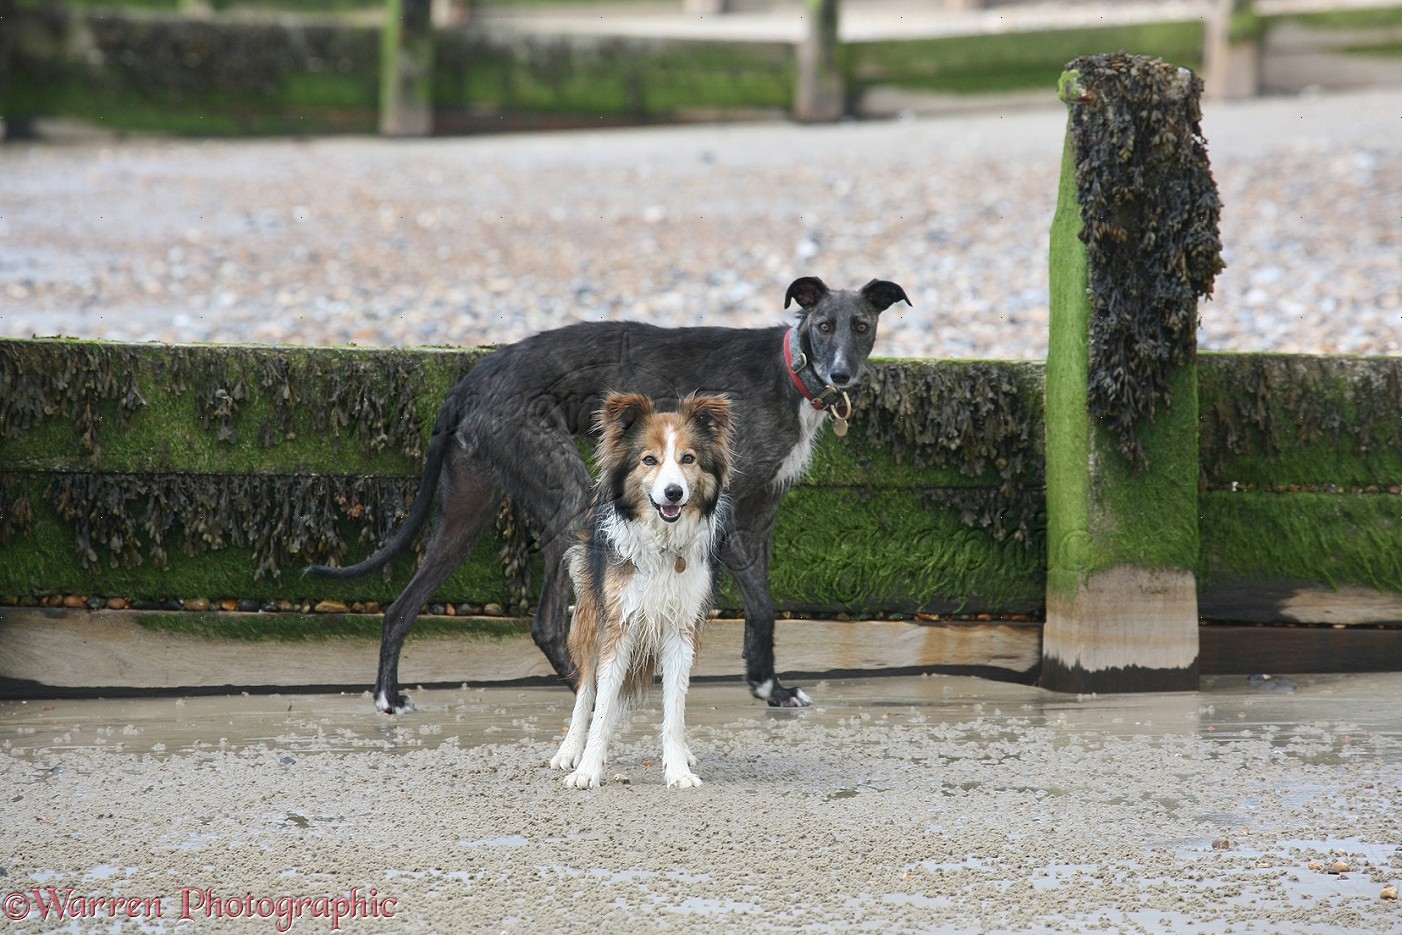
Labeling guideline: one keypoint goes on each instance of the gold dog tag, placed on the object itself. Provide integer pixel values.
(839, 417)
(681, 564)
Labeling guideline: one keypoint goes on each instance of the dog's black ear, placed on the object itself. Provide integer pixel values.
(882, 294)
(619, 411)
(807, 291)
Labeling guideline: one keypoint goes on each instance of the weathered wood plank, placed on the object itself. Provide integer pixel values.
(47, 651)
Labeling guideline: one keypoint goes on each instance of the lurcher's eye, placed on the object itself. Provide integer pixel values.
(688, 458)
(650, 461)
(825, 327)
(861, 327)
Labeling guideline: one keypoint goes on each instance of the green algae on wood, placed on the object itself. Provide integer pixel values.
(1134, 243)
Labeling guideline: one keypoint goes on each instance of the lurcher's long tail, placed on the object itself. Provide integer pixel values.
(403, 537)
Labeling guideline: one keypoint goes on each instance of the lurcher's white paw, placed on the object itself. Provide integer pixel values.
(565, 759)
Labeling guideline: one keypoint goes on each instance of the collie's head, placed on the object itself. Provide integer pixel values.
(663, 466)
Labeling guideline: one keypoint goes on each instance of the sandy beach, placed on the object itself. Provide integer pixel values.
(913, 804)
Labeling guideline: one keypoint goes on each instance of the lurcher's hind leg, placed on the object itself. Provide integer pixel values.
(551, 625)
(551, 482)
(468, 504)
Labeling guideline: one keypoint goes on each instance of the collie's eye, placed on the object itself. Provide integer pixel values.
(650, 461)
(688, 458)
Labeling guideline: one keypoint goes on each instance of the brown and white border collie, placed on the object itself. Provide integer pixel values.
(643, 574)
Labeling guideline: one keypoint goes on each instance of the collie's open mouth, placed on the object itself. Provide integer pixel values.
(670, 512)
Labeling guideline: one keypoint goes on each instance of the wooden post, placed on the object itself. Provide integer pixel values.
(447, 14)
(819, 96)
(1122, 524)
(406, 69)
(1231, 55)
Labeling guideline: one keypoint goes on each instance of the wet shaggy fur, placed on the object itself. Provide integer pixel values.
(643, 575)
(510, 428)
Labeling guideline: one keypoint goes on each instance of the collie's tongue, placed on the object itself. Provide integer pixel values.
(670, 511)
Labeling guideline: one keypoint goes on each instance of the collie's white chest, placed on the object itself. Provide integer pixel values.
(796, 462)
(659, 597)
(670, 586)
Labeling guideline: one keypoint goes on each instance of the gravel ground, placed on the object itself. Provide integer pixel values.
(480, 240)
(931, 805)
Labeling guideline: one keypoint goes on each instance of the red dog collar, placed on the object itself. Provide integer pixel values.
(798, 364)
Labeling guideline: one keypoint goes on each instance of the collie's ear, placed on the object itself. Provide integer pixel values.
(710, 413)
(619, 411)
(807, 291)
(881, 294)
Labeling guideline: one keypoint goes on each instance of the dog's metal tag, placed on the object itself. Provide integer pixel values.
(681, 564)
(839, 417)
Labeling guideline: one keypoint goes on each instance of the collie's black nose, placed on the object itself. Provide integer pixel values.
(673, 493)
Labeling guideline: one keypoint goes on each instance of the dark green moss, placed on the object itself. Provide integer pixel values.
(1332, 539)
(188, 75)
(301, 628)
(77, 382)
(1010, 61)
(884, 551)
(637, 79)
(153, 538)
(1277, 419)
(1385, 17)
(217, 409)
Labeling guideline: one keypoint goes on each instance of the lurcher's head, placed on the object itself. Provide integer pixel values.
(837, 328)
(663, 466)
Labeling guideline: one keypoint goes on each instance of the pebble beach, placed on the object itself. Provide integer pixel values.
(482, 240)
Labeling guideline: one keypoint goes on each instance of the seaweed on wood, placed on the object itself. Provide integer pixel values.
(1150, 211)
(973, 417)
(1273, 404)
(371, 397)
(43, 380)
(127, 519)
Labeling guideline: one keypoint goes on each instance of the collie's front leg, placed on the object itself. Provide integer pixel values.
(678, 653)
(572, 747)
(609, 683)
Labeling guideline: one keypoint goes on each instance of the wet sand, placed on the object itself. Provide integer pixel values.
(912, 804)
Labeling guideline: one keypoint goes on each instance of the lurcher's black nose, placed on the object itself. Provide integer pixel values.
(840, 377)
(673, 493)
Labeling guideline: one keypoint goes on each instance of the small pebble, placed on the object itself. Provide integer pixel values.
(1389, 892)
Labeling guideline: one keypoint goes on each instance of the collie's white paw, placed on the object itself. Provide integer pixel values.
(683, 780)
(583, 779)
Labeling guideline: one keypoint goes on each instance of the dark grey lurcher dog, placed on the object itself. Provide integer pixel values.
(508, 429)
